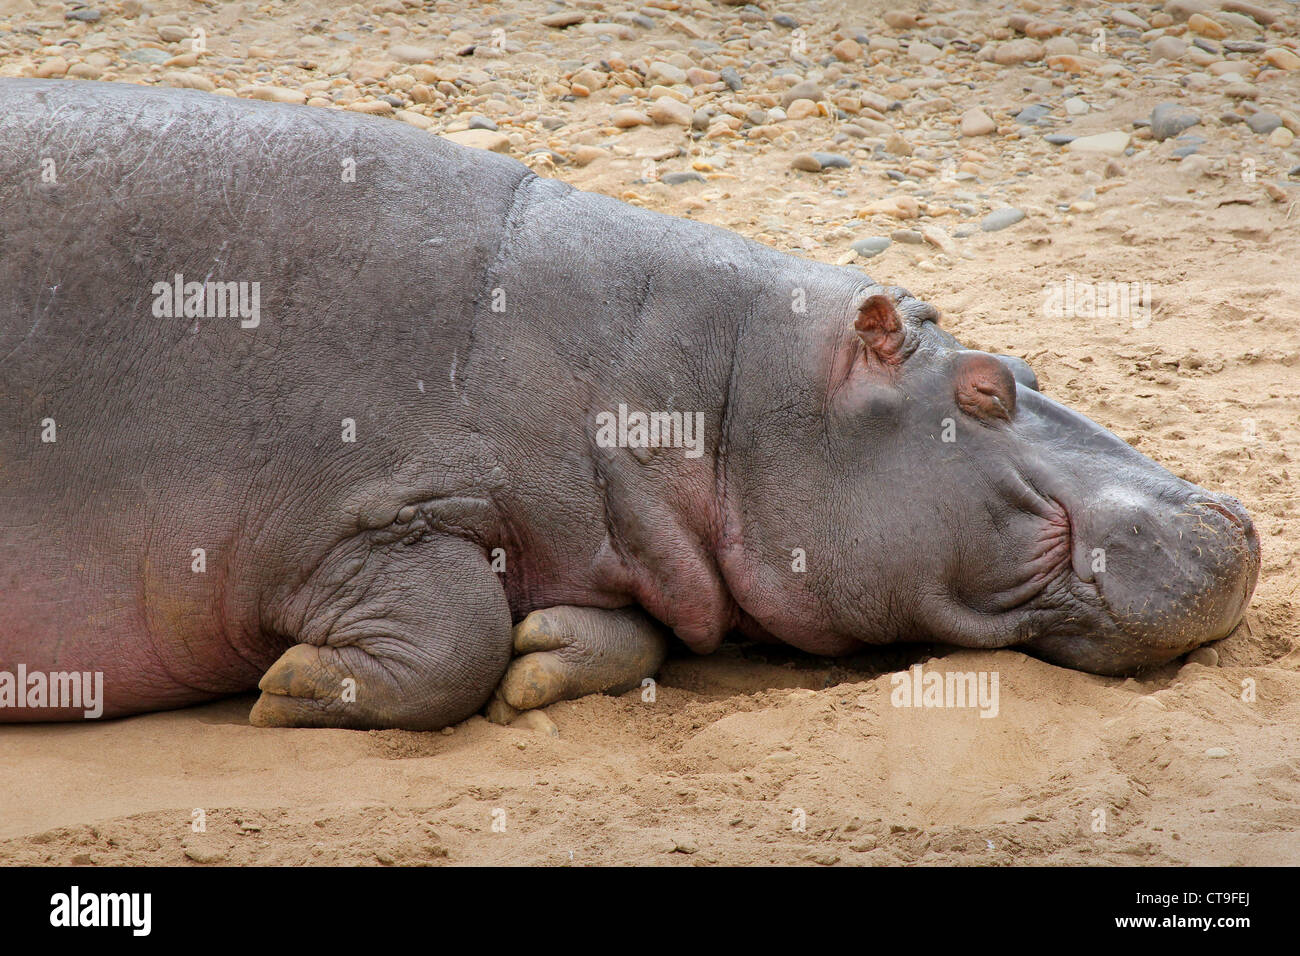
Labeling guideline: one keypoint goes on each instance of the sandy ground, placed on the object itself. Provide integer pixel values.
(1197, 763)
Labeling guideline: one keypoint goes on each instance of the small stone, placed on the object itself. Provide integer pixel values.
(626, 119)
(204, 854)
(871, 246)
(482, 122)
(54, 67)
(1076, 106)
(1170, 119)
(677, 178)
(408, 53)
(666, 73)
(85, 15)
(732, 79)
(832, 160)
(1168, 48)
(1060, 46)
(1263, 122)
(923, 52)
(909, 236)
(272, 94)
(785, 20)
(1001, 218)
(807, 90)
(848, 51)
(1216, 752)
(975, 122)
(684, 844)
(900, 20)
(480, 139)
(1015, 52)
(1199, 23)
(1283, 59)
(1059, 139)
(1281, 137)
(565, 18)
(806, 162)
(801, 109)
(669, 111)
(1205, 656)
(170, 33)
(586, 155)
(1030, 115)
(1108, 144)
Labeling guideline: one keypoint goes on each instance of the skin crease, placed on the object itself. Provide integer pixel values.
(825, 401)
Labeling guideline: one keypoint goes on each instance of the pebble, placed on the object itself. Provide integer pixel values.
(676, 179)
(910, 236)
(1076, 106)
(975, 122)
(1059, 139)
(626, 119)
(832, 160)
(1283, 59)
(565, 18)
(1015, 52)
(1107, 144)
(670, 111)
(482, 122)
(1205, 656)
(1001, 218)
(86, 15)
(871, 246)
(1168, 48)
(1263, 122)
(732, 79)
(806, 162)
(1199, 23)
(1170, 119)
(1281, 137)
(923, 52)
(1216, 752)
(1030, 115)
(807, 90)
(481, 139)
(273, 94)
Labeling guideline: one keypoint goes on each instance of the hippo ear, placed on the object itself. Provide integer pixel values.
(881, 329)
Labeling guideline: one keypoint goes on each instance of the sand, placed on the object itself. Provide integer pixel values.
(758, 755)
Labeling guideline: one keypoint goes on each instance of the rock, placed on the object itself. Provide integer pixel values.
(1168, 48)
(848, 51)
(1060, 46)
(272, 94)
(1015, 52)
(910, 236)
(586, 155)
(170, 33)
(1283, 59)
(1030, 115)
(1076, 106)
(1059, 139)
(626, 119)
(1216, 752)
(1125, 18)
(666, 73)
(899, 207)
(1199, 23)
(1205, 656)
(900, 20)
(676, 179)
(418, 120)
(1281, 137)
(801, 109)
(482, 122)
(408, 53)
(1108, 144)
(871, 246)
(481, 139)
(565, 18)
(923, 52)
(668, 111)
(85, 15)
(1001, 218)
(188, 81)
(806, 162)
(205, 854)
(537, 721)
(499, 712)
(1072, 64)
(975, 122)
(52, 68)
(1170, 119)
(1263, 122)
(832, 160)
(732, 79)
(807, 90)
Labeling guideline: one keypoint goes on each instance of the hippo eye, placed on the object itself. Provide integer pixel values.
(984, 387)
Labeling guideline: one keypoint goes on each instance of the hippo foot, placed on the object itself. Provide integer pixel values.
(568, 652)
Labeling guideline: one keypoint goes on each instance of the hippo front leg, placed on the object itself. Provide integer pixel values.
(568, 652)
(413, 637)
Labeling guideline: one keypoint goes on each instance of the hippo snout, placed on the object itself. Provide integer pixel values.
(1172, 570)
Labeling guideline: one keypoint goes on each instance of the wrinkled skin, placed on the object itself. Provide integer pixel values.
(824, 431)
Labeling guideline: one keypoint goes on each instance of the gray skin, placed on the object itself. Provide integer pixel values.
(826, 400)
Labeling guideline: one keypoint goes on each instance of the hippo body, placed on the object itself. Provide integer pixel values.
(411, 449)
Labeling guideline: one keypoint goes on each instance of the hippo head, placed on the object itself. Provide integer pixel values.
(941, 497)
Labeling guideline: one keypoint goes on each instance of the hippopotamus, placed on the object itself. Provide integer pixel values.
(396, 430)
